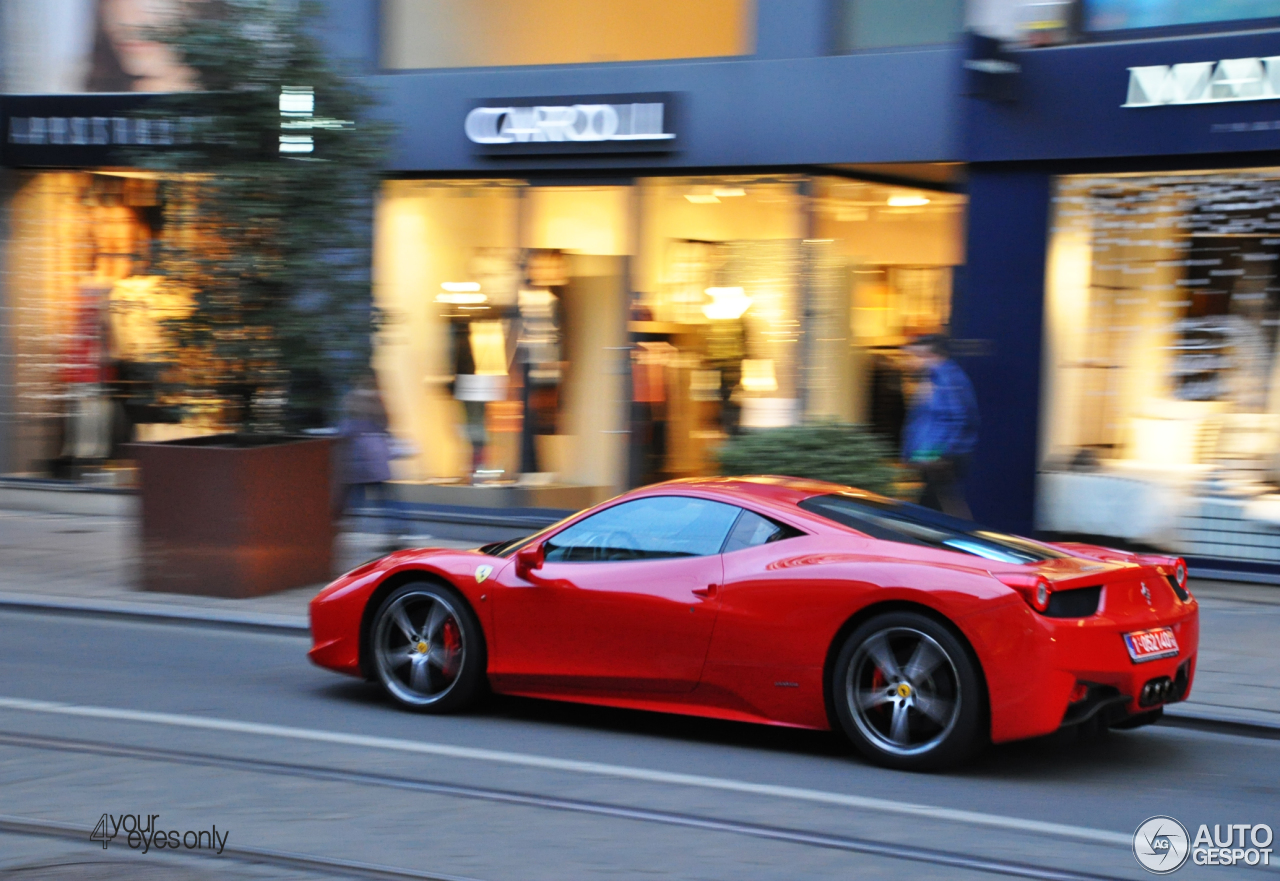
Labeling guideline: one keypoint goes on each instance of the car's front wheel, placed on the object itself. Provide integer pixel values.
(428, 650)
(907, 693)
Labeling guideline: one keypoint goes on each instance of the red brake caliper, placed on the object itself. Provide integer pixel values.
(878, 683)
(452, 644)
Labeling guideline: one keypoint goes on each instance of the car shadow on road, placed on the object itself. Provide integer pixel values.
(587, 717)
(1066, 754)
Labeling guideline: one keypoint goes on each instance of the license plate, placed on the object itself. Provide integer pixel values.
(1148, 645)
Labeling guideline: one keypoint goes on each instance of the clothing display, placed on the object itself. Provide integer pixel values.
(1164, 313)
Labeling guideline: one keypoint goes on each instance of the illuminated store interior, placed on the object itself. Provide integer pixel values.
(1161, 419)
(86, 319)
(580, 336)
(602, 335)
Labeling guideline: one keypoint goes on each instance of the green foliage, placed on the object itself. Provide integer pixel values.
(272, 250)
(847, 454)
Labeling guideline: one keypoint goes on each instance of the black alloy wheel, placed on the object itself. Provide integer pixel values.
(908, 694)
(428, 649)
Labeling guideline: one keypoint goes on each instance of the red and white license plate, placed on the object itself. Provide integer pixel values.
(1148, 645)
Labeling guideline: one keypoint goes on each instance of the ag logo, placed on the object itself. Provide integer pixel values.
(483, 572)
(1160, 845)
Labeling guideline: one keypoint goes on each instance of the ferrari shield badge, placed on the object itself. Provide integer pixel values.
(483, 572)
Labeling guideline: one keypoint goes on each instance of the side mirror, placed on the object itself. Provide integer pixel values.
(529, 559)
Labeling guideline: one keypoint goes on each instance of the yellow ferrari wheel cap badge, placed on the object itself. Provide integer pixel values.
(904, 690)
(483, 572)
(422, 647)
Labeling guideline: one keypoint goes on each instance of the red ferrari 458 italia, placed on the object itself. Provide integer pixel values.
(781, 601)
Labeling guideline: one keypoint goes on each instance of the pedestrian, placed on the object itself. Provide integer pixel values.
(942, 425)
(367, 455)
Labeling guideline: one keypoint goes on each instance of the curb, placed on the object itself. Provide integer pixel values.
(293, 625)
(1250, 723)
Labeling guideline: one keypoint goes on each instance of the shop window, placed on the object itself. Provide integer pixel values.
(1162, 414)
(86, 321)
(603, 335)
(885, 276)
(498, 353)
(723, 342)
(1111, 15)
(882, 24)
(492, 33)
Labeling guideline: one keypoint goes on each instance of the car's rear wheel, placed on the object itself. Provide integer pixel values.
(428, 650)
(907, 693)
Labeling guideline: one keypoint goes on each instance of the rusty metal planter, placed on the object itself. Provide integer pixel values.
(235, 516)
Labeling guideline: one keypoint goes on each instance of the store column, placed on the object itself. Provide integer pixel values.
(998, 319)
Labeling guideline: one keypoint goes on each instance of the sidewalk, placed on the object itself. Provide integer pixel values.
(75, 561)
(79, 561)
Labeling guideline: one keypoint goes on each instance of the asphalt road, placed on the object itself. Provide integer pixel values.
(230, 728)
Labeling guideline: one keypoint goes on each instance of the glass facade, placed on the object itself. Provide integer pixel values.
(1161, 421)
(84, 323)
(564, 336)
(883, 24)
(1110, 15)
(421, 34)
(605, 335)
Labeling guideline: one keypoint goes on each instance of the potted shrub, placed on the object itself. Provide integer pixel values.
(267, 218)
(847, 454)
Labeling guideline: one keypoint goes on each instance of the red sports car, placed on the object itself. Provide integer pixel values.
(782, 601)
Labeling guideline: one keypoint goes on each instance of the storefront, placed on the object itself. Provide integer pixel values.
(594, 273)
(610, 237)
(1128, 240)
(84, 320)
(598, 335)
(82, 340)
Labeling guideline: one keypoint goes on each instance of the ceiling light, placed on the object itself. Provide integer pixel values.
(907, 201)
(727, 303)
(698, 199)
(729, 192)
(460, 286)
(463, 298)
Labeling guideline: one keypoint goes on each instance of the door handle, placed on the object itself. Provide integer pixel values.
(707, 592)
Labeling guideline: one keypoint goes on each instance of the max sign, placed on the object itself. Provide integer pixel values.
(1205, 82)
(572, 125)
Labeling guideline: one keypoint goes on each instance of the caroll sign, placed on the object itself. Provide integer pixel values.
(1205, 82)
(573, 124)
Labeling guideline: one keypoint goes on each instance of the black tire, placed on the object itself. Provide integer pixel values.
(908, 694)
(426, 648)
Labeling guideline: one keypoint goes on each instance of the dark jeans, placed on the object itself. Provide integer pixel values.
(943, 485)
(382, 498)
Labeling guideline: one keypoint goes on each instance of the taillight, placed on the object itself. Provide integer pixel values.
(1034, 589)
(1041, 599)
(1178, 579)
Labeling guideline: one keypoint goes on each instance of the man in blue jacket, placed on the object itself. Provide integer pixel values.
(942, 426)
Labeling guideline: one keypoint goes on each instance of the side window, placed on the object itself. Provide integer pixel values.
(645, 529)
(752, 529)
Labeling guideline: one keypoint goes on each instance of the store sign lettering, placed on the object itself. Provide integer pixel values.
(99, 131)
(578, 122)
(1205, 82)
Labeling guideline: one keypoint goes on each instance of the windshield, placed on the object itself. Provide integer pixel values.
(891, 520)
(511, 545)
